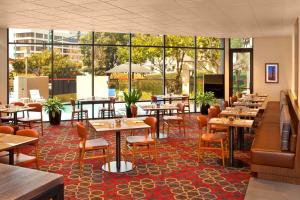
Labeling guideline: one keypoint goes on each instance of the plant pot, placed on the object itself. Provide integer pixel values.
(128, 112)
(56, 119)
(204, 109)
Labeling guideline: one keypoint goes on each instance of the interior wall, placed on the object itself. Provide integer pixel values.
(3, 66)
(272, 50)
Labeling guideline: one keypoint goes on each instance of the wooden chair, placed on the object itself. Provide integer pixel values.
(226, 104)
(76, 113)
(134, 110)
(232, 100)
(214, 112)
(21, 159)
(110, 109)
(7, 129)
(29, 121)
(142, 143)
(17, 103)
(86, 145)
(175, 120)
(153, 101)
(186, 102)
(5, 118)
(206, 137)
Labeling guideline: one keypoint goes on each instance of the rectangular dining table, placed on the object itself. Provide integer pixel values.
(127, 124)
(236, 123)
(171, 97)
(9, 142)
(14, 110)
(23, 183)
(235, 111)
(157, 108)
(92, 100)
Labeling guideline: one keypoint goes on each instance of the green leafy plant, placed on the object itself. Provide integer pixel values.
(132, 97)
(205, 98)
(53, 106)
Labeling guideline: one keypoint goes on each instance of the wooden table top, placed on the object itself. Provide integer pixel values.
(160, 107)
(15, 109)
(111, 125)
(168, 96)
(246, 123)
(23, 183)
(236, 112)
(93, 99)
(254, 99)
(8, 141)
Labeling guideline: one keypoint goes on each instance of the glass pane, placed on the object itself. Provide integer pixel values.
(147, 40)
(71, 72)
(147, 68)
(241, 43)
(29, 36)
(210, 42)
(72, 37)
(111, 71)
(29, 68)
(179, 41)
(179, 64)
(209, 62)
(241, 72)
(111, 38)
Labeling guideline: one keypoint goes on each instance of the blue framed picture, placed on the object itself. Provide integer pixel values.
(272, 73)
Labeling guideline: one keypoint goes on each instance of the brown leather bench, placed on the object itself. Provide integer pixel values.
(268, 160)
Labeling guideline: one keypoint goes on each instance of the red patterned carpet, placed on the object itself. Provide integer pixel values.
(177, 175)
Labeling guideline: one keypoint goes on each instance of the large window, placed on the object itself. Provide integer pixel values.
(73, 63)
(241, 66)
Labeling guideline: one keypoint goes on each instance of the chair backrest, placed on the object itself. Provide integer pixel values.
(6, 130)
(180, 108)
(134, 110)
(232, 100)
(202, 121)
(217, 107)
(38, 107)
(185, 99)
(226, 104)
(73, 104)
(82, 132)
(213, 112)
(35, 94)
(153, 99)
(29, 133)
(151, 121)
(17, 103)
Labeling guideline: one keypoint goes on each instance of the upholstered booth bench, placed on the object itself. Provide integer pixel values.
(275, 152)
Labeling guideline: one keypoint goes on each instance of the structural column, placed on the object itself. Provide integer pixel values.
(3, 66)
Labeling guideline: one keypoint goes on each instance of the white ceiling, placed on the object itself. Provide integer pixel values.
(220, 18)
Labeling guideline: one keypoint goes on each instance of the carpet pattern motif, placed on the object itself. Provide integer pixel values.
(176, 175)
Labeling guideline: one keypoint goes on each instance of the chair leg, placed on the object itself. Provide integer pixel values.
(133, 155)
(72, 118)
(108, 159)
(155, 152)
(42, 127)
(37, 158)
(222, 153)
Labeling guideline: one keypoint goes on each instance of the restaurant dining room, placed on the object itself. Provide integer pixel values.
(158, 100)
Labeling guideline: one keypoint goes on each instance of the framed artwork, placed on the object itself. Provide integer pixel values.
(272, 73)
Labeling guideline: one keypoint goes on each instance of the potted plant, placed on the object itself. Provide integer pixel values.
(131, 98)
(53, 107)
(205, 99)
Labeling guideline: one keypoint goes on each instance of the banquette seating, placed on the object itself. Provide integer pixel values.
(275, 151)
